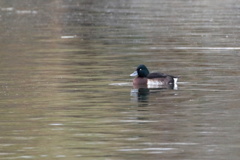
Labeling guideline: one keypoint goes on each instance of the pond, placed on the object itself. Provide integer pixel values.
(66, 92)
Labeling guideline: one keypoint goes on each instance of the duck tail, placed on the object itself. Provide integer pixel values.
(175, 79)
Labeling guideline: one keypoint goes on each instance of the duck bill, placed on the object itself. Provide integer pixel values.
(134, 74)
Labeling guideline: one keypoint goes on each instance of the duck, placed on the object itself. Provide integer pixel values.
(144, 77)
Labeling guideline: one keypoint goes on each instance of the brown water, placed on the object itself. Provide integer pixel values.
(66, 91)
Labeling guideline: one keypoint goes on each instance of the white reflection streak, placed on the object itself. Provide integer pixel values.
(148, 149)
(174, 143)
(68, 37)
(198, 48)
(210, 48)
(137, 121)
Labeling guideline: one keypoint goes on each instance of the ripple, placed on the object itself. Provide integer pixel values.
(121, 84)
(198, 48)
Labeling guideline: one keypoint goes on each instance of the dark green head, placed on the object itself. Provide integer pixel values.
(141, 71)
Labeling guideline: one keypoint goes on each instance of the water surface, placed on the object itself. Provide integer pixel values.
(66, 91)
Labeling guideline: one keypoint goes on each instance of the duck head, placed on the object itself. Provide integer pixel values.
(141, 71)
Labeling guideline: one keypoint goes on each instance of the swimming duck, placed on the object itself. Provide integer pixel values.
(155, 78)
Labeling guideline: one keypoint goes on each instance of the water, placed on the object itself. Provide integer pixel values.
(66, 91)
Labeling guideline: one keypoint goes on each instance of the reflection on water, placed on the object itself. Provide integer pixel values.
(140, 93)
(65, 86)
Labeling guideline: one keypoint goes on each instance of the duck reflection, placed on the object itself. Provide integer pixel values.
(141, 93)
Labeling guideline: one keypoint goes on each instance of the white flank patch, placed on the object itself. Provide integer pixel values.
(154, 82)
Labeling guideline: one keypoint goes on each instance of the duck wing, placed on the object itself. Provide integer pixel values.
(157, 75)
